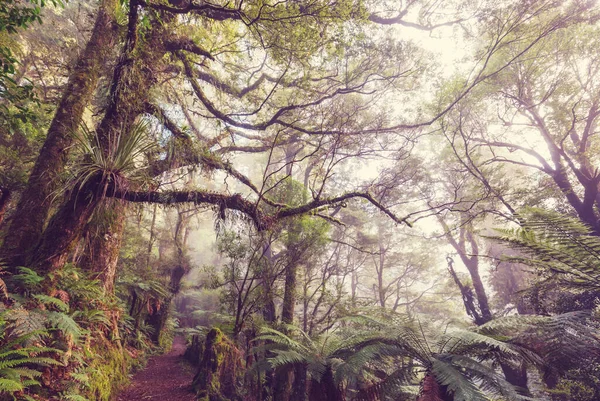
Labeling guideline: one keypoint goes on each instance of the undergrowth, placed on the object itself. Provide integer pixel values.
(71, 343)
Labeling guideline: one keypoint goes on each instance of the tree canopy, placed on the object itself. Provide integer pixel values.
(330, 200)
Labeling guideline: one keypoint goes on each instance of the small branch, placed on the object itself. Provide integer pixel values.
(187, 45)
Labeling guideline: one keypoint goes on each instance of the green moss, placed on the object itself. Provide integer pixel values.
(107, 373)
(218, 361)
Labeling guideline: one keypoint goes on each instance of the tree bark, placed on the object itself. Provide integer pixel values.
(300, 390)
(66, 228)
(289, 293)
(33, 208)
(130, 91)
(104, 244)
(5, 196)
(284, 376)
(517, 376)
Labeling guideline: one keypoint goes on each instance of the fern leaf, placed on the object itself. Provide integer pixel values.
(48, 300)
(10, 386)
(456, 382)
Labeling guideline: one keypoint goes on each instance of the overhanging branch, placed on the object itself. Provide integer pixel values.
(261, 220)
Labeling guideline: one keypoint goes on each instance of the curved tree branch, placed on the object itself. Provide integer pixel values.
(261, 220)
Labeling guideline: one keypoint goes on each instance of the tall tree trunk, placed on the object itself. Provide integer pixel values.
(289, 293)
(104, 237)
(269, 313)
(159, 317)
(5, 196)
(66, 227)
(284, 377)
(482, 314)
(299, 391)
(33, 208)
(130, 91)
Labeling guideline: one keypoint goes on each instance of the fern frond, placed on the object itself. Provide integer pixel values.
(558, 245)
(28, 277)
(3, 289)
(456, 382)
(10, 386)
(65, 324)
(48, 300)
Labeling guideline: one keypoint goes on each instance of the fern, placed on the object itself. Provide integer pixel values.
(560, 247)
(18, 358)
(463, 389)
(25, 323)
(27, 277)
(65, 324)
(454, 361)
(52, 301)
(10, 386)
(3, 289)
(93, 317)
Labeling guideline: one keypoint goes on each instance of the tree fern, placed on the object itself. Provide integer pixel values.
(559, 246)
(456, 382)
(456, 360)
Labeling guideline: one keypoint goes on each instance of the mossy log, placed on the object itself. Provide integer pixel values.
(218, 369)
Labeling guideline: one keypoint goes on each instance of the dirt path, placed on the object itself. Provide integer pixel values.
(166, 378)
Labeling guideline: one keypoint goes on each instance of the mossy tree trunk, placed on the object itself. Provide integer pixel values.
(284, 377)
(66, 227)
(130, 88)
(32, 210)
(5, 196)
(104, 234)
(215, 378)
(132, 82)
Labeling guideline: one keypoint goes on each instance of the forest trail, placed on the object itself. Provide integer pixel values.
(165, 378)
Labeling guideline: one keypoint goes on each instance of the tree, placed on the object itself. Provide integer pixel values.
(538, 115)
(33, 207)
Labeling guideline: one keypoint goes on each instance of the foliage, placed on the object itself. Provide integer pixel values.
(561, 248)
(113, 161)
(297, 348)
(299, 94)
(22, 353)
(75, 326)
(218, 368)
(14, 16)
(21, 367)
(456, 360)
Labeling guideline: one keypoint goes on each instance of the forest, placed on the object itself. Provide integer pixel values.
(300, 200)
